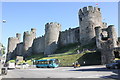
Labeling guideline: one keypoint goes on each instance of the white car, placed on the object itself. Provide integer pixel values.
(22, 66)
(18, 66)
(25, 65)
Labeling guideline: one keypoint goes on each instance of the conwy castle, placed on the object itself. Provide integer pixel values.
(91, 28)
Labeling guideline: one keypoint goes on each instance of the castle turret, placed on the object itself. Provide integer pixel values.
(98, 32)
(89, 18)
(33, 32)
(28, 41)
(112, 34)
(52, 31)
(12, 44)
(104, 25)
(18, 35)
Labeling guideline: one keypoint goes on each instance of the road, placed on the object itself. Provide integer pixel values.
(62, 72)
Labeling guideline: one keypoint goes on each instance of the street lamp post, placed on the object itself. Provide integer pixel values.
(1, 65)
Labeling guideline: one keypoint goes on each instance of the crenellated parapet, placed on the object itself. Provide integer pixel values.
(88, 10)
(52, 25)
(104, 25)
(33, 32)
(18, 35)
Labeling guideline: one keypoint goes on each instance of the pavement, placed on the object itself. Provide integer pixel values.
(98, 71)
(0, 77)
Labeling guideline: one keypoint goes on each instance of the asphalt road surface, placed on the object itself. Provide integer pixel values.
(63, 72)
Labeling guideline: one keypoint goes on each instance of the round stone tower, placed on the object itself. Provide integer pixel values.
(52, 31)
(28, 41)
(112, 34)
(89, 18)
(12, 44)
(98, 32)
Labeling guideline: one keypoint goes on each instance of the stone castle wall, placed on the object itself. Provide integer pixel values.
(106, 43)
(38, 45)
(28, 41)
(69, 36)
(19, 49)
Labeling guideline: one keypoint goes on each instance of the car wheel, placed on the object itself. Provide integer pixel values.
(37, 66)
(108, 67)
(48, 66)
(116, 67)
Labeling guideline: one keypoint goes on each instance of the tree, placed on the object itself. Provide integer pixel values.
(2, 48)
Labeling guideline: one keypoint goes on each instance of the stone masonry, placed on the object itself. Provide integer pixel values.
(52, 31)
(89, 18)
(90, 27)
(12, 44)
(28, 38)
(106, 43)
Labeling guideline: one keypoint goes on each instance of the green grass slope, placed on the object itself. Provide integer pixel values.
(68, 55)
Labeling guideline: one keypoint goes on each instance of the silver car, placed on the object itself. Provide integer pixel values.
(112, 66)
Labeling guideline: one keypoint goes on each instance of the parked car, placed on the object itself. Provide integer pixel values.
(23, 65)
(11, 65)
(114, 65)
(18, 66)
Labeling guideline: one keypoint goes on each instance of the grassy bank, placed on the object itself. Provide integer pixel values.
(68, 55)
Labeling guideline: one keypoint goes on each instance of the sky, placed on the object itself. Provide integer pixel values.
(22, 16)
(119, 19)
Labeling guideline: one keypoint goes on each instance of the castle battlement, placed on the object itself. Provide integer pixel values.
(39, 37)
(26, 33)
(33, 30)
(18, 35)
(13, 38)
(111, 26)
(104, 24)
(86, 10)
(52, 24)
(70, 29)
